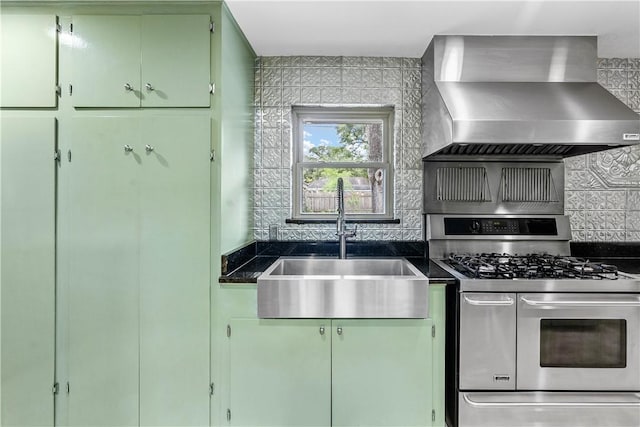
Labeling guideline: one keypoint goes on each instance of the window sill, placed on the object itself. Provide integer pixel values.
(349, 221)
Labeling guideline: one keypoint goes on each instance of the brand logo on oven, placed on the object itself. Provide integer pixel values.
(631, 136)
(501, 378)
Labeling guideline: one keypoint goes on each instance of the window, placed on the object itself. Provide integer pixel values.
(354, 144)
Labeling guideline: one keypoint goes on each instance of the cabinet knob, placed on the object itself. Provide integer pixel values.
(128, 148)
(339, 330)
(148, 148)
(148, 86)
(128, 87)
(321, 330)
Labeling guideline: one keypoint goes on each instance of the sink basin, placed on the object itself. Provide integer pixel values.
(311, 287)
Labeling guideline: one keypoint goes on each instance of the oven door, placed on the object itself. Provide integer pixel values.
(578, 342)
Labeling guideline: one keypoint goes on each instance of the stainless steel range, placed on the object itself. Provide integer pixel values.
(543, 338)
(537, 338)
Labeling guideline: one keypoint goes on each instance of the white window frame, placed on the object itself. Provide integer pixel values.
(374, 114)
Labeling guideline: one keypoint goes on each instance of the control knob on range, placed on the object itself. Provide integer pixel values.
(476, 227)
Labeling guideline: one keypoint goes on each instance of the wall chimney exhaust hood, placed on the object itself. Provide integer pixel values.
(525, 96)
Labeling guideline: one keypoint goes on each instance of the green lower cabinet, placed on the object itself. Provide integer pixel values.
(174, 271)
(104, 297)
(279, 373)
(27, 256)
(330, 372)
(137, 206)
(381, 372)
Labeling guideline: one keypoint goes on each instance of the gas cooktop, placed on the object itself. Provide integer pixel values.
(529, 266)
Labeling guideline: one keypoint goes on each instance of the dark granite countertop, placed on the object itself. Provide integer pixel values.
(247, 263)
(624, 255)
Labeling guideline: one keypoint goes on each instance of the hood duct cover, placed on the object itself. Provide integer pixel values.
(487, 96)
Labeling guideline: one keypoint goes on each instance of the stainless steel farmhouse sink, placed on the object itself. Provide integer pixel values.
(312, 287)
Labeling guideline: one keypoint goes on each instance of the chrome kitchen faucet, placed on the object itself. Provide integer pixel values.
(341, 230)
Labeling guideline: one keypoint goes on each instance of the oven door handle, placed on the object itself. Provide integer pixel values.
(631, 301)
(558, 402)
(472, 301)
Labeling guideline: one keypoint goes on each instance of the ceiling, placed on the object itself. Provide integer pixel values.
(405, 28)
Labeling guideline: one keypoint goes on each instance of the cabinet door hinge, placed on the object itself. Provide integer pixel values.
(56, 388)
(212, 88)
(433, 331)
(58, 90)
(212, 27)
(58, 28)
(228, 331)
(212, 388)
(57, 155)
(228, 414)
(433, 415)
(212, 156)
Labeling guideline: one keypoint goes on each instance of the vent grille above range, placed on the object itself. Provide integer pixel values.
(462, 184)
(528, 185)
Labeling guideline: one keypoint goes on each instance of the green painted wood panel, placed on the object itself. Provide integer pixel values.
(174, 271)
(279, 373)
(437, 314)
(175, 60)
(106, 57)
(103, 291)
(28, 47)
(381, 373)
(28, 269)
(237, 145)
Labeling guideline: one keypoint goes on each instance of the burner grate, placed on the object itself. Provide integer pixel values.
(530, 266)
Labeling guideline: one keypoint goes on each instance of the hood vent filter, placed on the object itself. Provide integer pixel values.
(528, 185)
(462, 184)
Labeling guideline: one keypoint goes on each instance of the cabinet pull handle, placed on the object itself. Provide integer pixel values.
(148, 148)
(321, 330)
(128, 87)
(128, 148)
(148, 86)
(339, 330)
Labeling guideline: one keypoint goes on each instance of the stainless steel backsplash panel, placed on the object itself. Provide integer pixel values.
(487, 187)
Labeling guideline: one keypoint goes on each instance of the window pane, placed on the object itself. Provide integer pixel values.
(342, 142)
(363, 190)
(583, 343)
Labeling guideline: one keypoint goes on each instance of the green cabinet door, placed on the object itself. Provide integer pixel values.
(381, 373)
(103, 289)
(27, 257)
(28, 60)
(174, 271)
(106, 58)
(175, 60)
(279, 373)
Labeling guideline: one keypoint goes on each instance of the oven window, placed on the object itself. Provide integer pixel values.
(583, 343)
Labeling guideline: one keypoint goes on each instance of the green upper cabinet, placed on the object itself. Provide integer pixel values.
(141, 61)
(106, 61)
(175, 63)
(28, 52)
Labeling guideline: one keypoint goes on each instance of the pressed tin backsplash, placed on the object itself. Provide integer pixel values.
(602, 194)
(285, 81)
